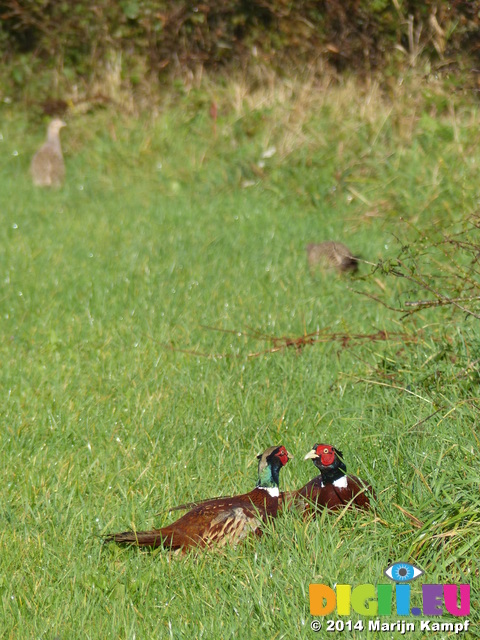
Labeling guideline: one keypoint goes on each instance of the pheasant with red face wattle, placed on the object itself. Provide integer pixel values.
(334, 488)
(220, 521)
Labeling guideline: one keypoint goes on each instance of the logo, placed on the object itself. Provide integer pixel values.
(385, 599)
(403, 572)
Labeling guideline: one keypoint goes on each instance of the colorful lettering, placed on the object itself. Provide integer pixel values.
(343, 599)
(363, 600)
(432, 599)
(318, 594)
(450, 596)
(368, 600)
(402, 594)
(384, 594)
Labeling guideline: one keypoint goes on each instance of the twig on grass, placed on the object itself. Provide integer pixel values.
(415, 521)
(435, 303)
(394, 386)
(455, 282)
(417, 424)
(282, 343)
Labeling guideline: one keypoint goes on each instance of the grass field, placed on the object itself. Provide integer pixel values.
(166, 227)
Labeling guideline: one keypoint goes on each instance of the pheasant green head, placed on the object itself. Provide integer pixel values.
(270, 463)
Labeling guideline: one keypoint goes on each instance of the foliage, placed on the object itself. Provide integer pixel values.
(349, 33)
(441, 265)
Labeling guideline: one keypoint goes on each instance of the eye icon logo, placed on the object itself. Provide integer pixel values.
(403, 572)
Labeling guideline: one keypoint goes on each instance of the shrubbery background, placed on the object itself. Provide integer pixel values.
(76, 38)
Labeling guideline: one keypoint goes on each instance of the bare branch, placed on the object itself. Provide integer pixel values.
(282, 343)
(435, 303)
(455, 281)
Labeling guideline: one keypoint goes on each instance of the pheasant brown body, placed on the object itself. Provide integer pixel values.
(47, 167)
(219, 521)
(331, 255)
(334, 495)
(333, 488)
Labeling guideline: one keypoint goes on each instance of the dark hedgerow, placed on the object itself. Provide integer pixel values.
(351, 33)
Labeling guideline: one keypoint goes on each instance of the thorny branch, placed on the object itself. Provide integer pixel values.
(456, 284)
(282, 343)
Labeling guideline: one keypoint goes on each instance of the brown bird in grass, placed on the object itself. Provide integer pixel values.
(331, 255)
(220, 521)
(47, 166)
(332, 488)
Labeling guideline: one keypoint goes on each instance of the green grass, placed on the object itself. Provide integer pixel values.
(161, 230)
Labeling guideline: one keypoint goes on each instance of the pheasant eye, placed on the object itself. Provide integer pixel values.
(403, 572)
(325, 450)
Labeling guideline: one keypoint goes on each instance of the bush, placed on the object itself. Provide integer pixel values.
(351, 33)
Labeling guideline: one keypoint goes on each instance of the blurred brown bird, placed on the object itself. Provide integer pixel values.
(332, 488)
(331, 255)
(220, 521)
(47, 167)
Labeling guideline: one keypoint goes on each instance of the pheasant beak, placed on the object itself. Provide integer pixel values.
(311, 455)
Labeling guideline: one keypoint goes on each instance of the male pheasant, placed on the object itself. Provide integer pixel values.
(220, 521)
(333, 488)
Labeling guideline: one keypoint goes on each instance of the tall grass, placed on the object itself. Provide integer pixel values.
(163, 228)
